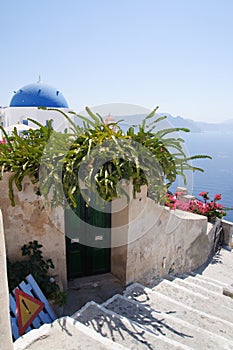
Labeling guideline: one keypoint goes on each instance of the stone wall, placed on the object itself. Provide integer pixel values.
(147, 240)
(5, 327)
(228, 232)
(157, 241)
(28, 221)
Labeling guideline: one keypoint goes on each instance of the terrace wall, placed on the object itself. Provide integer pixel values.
(147, 240)
(27, 221)
(157, 241)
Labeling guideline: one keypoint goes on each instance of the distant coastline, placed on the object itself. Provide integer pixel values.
(180, 122)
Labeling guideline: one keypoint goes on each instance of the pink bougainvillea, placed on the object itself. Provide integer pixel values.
(217, 197)
(211, 209)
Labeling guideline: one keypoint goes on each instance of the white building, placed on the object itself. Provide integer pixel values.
(25, 102)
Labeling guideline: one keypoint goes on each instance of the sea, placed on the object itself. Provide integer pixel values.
(218, 171)
(217, 176)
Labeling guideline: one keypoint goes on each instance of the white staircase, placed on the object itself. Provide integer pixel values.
(179, 312)
(176, 314)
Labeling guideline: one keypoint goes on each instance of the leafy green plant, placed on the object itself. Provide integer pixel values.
(21, 155)
(148, 156)
(38, 267)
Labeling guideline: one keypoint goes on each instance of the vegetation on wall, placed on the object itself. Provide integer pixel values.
(145, 155)
(21, 155)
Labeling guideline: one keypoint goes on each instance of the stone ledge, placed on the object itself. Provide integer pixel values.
(65, 332)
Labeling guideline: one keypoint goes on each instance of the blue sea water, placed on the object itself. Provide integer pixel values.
(218, 172)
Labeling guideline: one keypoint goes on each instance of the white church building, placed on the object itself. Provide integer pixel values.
(25, 102)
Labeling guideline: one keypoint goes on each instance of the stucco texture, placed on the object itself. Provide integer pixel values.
(28, 220)
(158, 241)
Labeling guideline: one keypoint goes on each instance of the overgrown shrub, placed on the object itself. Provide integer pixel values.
(148, 156)
(38, 267)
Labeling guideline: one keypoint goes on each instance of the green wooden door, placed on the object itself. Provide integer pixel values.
(85, 240)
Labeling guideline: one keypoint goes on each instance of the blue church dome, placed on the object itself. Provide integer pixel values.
(38, 95)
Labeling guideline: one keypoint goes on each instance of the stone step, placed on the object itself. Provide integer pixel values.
(221, 283)
(220, 268)
(169, 326)
(64, 333)
(193, 299)
(123, 331)
(217, 288)
(227, 302)
(222, 277)
(165, 304)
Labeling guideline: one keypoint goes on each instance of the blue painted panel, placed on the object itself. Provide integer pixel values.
(40, 295)
(14, 325)
(45, 316)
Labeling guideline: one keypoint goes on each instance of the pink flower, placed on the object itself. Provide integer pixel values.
(170, 201)
(217, 197)
(179, 194)
(219, 206)
(211, 209)
(204, 195)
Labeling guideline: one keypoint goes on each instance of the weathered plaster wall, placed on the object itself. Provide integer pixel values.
(147, 240)
(160, 241)
(5, 327)
(228, 232)
(28, 221)
(119, 238)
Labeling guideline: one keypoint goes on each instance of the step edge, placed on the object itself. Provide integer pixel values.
(188, 291)
(198, 287)
(221, 296)
(202, 284)
(163, 296)
(175, 319)
(210, 279)
(29, 338)
(119, 316)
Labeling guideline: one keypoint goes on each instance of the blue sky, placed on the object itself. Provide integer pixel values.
(177, 54)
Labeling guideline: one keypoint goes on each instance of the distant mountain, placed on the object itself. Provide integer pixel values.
(225, 126)
(170, 121)
(180, 122)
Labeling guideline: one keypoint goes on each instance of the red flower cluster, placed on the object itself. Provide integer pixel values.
(204, 195)
(171, 201)
(217, 197)
(210, 209)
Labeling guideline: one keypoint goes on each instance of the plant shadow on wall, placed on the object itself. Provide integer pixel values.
(104, 153)
(38, 267)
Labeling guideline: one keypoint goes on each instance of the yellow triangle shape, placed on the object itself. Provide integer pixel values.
(27, 308)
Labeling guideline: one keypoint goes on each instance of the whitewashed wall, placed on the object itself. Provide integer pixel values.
(28, 221)
(15, 115)
(157, 241)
